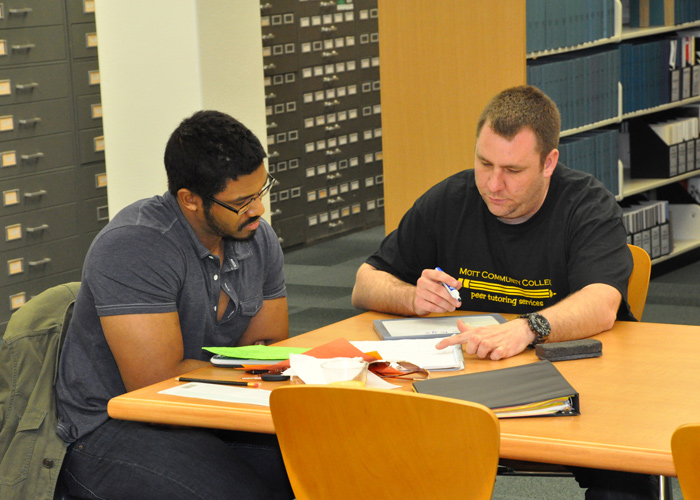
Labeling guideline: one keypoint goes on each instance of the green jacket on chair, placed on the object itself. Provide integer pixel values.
(31, 453)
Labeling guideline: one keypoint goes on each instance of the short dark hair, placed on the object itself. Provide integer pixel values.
(521, 107)
(206, 150)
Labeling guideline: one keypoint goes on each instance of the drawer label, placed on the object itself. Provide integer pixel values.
(15, 266)
(17, 300)
(13, 232)
(8, 159)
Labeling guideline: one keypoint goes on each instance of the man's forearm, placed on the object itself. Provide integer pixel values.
(587, 312)
(380, 291)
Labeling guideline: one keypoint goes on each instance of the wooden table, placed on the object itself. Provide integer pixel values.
(645, 385)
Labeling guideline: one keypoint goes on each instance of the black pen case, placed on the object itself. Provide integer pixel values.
(571, 349)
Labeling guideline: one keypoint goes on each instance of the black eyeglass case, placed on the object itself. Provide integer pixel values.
(571, 349)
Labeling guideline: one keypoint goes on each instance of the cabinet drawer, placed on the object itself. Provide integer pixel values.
(83, 40)
(34, 83)
(89, 111)
(92, 145)
(86, 77)
(290, 231)
(36, 154)
(32, 45)
(12, 297)
(38, 226)
(37, 191)
(33, 119)
(81, 11)
(92, 181)
(93, 214)
(26, 13)
(37, 261)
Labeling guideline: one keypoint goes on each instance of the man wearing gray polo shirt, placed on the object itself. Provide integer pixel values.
(167, 276)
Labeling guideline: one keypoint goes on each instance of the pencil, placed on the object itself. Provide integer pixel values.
(222, 382)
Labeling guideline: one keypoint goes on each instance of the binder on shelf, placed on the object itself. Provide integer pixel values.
(647, 226)
(532, 390)
(651, 157)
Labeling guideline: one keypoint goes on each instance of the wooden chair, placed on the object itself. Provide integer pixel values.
(685, 447)
(350, 443)
(638, 284)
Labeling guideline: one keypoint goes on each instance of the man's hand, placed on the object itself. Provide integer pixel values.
(377, 290)
(493, 341)
(431, 296)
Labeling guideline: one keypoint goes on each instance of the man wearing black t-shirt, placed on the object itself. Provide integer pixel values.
(517, 234)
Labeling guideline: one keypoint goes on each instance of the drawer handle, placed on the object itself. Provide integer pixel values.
(33, 157)
(329, 29)
(269, 36)
(27, 46)
(42, 262)
(26, 86)
(277, 212)
(36, 194)
(37, 229)
(337, 199)
(274, 154)
(331, 128)
(269, 66)
(19, 12)
(332, 53)
(336, 224)
(271, 125)
(330, 177)
(333, 152)
(29, 122)
(334, 102)
(271, 95)
(328, 79)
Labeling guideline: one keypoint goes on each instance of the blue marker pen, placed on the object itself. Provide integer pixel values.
(453, 293)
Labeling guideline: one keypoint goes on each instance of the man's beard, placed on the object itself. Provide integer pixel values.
(218, 229)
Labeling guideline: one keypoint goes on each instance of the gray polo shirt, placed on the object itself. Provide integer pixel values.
(149, 260)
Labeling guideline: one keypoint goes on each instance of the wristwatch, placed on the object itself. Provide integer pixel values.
(539, 326)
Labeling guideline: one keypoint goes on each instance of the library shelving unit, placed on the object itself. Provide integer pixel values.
(441, 63)
(685, 219)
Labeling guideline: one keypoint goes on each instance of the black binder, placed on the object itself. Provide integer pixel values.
(536, 389)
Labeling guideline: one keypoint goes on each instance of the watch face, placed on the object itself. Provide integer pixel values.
(539, 325)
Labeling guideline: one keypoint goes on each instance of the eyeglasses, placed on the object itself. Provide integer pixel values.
(404, 370)
(246, 205)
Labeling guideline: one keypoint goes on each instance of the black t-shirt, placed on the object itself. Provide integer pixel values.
(575, 239)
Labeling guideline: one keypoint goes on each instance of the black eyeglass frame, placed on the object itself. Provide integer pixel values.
(240, 211)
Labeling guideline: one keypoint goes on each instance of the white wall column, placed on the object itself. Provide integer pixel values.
(162, 60)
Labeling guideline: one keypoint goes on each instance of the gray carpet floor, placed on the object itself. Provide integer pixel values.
(320, 278)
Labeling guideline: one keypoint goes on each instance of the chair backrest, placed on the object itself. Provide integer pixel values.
(638, 284)
(350, 443)
(685, 447)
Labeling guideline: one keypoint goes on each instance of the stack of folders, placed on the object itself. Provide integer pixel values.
(658, 71)
(584, 86)
(532, 390)
(555, 24)
(595, 152)
(647, 226)
(643, 13)
(665, 146)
